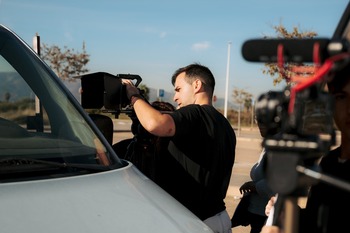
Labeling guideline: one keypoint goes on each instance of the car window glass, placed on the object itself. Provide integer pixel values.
(38, 121)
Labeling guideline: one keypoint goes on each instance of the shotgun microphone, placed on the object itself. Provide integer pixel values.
(294, 50)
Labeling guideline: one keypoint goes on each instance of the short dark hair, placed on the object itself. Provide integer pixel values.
(197, 71)
(163, 106)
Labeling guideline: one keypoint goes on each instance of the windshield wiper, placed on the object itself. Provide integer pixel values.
(29, 164)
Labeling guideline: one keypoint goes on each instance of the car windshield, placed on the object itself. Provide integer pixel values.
(43, 130)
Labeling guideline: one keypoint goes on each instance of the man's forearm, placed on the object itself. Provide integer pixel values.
(151, 119)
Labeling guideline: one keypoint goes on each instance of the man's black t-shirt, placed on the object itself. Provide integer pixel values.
(198, 167)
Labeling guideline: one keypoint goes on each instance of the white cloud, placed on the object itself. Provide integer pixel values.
(201, 46)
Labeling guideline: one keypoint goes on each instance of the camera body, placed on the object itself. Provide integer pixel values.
(103, 90)
(311, 118)
(303, 135)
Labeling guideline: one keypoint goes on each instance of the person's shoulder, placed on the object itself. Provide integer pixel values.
(190, 109)
(186, 113)
(209, 108)
(200, 110)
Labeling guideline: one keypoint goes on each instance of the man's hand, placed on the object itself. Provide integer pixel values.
(270, 229)
(152, 120)
(269, 205)
(130, 88)
(247, 187)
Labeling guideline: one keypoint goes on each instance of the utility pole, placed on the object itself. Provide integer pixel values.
(252, 122)
(227, 77)
(36, 44)
(239, 119)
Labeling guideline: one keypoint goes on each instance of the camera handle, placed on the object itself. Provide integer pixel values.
(131, 77)
(324, 178)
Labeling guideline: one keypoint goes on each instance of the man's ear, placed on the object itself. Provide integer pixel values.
(197, 85)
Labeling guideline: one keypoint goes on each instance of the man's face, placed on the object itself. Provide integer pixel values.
(184, 92)
(342, 110)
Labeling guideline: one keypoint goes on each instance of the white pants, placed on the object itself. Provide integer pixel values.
(219, 223)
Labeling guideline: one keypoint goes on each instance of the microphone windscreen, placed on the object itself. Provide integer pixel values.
(294, 50)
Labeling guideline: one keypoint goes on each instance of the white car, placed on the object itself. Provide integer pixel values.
(58, 173)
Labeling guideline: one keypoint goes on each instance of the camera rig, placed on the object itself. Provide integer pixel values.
(302, 113)
(105, 91)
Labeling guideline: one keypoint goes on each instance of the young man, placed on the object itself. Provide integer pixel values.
(202, 144)
(327, 205)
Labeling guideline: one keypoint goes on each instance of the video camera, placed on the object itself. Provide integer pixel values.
(302, 113)
(103, 90)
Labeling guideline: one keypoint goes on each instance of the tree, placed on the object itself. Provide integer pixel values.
(287, 72)
(66, 63)
(241, 96)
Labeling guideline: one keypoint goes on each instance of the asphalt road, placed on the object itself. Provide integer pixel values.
(247, 153)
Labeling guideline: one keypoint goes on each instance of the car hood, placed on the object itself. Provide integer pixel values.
(121, 200)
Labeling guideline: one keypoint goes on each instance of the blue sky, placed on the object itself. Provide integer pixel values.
(154, 38)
